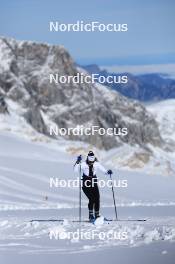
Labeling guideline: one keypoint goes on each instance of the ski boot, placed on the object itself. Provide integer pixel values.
(91, 216)
(97, 214)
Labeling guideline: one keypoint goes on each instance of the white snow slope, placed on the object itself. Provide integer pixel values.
(164, 113)
(28, 160)
(25, 194)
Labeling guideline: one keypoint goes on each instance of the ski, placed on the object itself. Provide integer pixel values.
(87, 221)
(125, 220)
(59, 220)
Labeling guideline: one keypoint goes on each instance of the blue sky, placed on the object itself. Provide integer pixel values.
(150, 38)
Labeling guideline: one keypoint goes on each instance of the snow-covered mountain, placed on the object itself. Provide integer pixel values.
(33, 104)
(24, 78)
(164, 113)
(29, 158)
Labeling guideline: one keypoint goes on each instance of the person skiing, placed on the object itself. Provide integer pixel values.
(90, 182)
(3, 105)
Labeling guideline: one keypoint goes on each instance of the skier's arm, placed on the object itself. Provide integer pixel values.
(101, 168)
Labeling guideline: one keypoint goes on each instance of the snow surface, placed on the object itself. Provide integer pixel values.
(28, 160)
(164, 113)
(25, 168)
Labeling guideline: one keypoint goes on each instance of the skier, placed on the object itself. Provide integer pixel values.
(90, 182)
(3, 105)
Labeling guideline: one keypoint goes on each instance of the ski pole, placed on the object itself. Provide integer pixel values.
(80, 194)
(113, 197)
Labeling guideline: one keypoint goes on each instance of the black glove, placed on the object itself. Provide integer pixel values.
(79, 159)
(109, 172)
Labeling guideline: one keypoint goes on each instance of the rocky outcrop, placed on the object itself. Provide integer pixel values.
(24, 77)
(34, 118)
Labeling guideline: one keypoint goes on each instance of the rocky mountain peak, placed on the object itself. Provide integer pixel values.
(24, 77)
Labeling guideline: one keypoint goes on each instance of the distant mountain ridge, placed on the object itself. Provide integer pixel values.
(145, 87)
